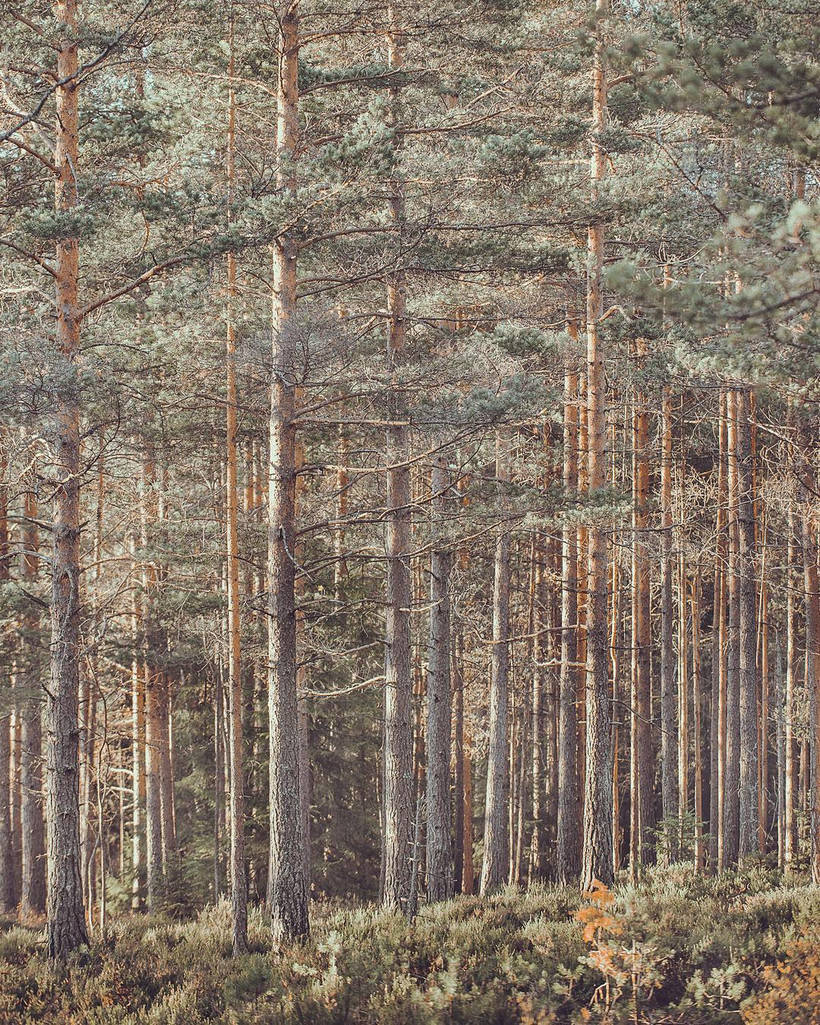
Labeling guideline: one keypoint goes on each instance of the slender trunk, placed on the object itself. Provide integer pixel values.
(540, 677)
(153, 789)
(764, 748)
(718, 678)
(642, 767)
(683, 695)
(6, 848)
(219, 787)
(458, 763)
(669, 776)
(811, 585)
(597, 847)
(568, 838)
(88, 731)
(697, 712)
(138, 740)
(731, 796)
(495, 867)
(398, 734)
(789, 767)
(747, 629)
(239, 889)
(32, 828)
(550, 702)
(287, 886)
(439, 711)
(66, 918)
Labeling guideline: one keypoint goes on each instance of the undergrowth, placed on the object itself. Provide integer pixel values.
(678, 948)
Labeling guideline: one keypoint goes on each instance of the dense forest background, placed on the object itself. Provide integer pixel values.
(412, 489)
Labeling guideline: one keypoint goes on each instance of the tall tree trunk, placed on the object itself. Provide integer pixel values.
(153, 790)
(731, 796)
(66, 918)
(789, 767)
(398, 732)
(458, 763)
(33, 893)
(287, 885)
(811, 585)
(568, 838)
(718, 681)
(88, 733)
(439, 710)
(219, 783)
(697, 712)
(6, 848)
(747, 629)
(597, 848)
(138, 740)
(642, 768)
(669, 777)
(540, 678)
(683, 691)
(239, 888)
(495, 867)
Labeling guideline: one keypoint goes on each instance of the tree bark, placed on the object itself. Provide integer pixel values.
(439, 709)
(642, 768)
(458, 763)
(540, 678)
(239, 888)
(697, 713)
(731, 796)
(789, 767)
(747, 624)
(287, 886)
(717, 724)
(495, 867)
(398, 730)
(66, 918)
(568, 838)
(6, 848)
(669, 732)
(597, 848)
(811, 585)
(32, 828)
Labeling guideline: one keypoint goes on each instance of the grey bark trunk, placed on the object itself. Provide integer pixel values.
(731, 795)
(495, 869)
(568, 836)
(287, 890)
(32, 827)
(747, 623)
(597, 847)
(398, 731)
(669, 730)
(439, 710)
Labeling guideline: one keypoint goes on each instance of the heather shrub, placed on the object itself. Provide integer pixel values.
(678, 947)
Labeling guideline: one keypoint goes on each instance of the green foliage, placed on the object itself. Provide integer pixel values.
(700, 947)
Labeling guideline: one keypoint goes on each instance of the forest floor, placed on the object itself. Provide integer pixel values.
(678, 948)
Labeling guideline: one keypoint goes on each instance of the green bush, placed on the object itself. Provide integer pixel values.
(709, 947)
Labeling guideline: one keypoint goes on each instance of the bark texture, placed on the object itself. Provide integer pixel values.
(495, 868)
(66, 917)
(439, 702)
(597, 846)
(287, 890)
(568, 838)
